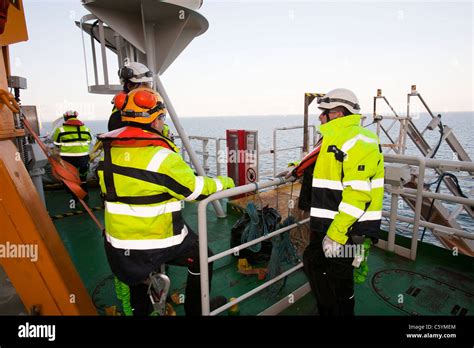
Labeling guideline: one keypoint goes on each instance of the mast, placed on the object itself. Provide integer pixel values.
(152, 32)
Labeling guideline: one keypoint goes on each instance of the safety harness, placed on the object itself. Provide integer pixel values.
(130, 136)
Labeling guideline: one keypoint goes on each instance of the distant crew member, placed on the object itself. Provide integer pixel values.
(73, 139)
(144, 180)
(346, 202)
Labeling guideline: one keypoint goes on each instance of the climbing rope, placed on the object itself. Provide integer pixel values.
(283, 251)
(257, 226)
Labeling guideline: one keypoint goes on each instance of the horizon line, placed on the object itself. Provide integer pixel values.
(266, 115)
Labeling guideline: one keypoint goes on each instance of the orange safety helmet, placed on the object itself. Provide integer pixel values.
(142, 105)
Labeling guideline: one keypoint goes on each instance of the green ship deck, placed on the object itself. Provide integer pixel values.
(435, 284)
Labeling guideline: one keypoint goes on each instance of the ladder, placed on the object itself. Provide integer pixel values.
(408, 128)
(438, 213)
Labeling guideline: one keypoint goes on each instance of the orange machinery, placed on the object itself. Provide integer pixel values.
(51, 285)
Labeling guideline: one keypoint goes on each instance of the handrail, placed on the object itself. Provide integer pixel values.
(275, 149)
(257, 240)
(438, 227)
(257, 289)
(204, 259)
(430, 162)
(419, 194)
(205, 154)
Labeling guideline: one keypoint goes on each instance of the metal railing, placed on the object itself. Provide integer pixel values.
(419, 194)
(396, 191)
(204, 258)
(276, 150)
(207, 156)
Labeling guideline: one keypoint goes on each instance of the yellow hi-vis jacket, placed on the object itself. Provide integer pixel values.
(73, 138)
(144, 182)
(348, 181)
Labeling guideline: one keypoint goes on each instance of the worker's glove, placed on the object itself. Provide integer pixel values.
(227, 182)
(331, 248)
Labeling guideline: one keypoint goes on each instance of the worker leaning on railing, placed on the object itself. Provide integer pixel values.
(144, 180)
(346, 203)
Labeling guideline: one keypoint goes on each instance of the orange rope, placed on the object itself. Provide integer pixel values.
(9, 100)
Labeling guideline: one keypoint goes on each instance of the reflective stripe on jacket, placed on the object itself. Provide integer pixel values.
(144, 183)
(73, 140)
(348, 181)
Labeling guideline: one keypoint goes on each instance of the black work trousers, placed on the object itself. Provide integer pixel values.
(82, 165)
(331, 279)
(185, 254)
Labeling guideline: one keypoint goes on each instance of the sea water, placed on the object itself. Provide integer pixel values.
(215, 127)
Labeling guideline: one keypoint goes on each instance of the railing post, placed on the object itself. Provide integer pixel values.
(205, 156)
(203, 258)
(393, 220)
(274, 152)
(418, 205)
(103, 53)
(184, 138)
(305, 125)
(202, 233)
(218, 152)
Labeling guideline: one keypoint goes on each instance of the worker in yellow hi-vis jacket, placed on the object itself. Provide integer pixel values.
(144, 180)
(346, 202)
(73, 138)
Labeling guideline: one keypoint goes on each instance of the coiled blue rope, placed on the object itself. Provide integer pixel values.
(255, 229)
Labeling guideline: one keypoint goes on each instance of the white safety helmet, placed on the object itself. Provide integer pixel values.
(135, 72)
(340, 97)
(70, 114)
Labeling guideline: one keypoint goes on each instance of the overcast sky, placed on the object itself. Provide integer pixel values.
(259, 57)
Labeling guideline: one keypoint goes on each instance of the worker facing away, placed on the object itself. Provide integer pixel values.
(73, 139)
(132, 76)
(144, 182)
(346, 203)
